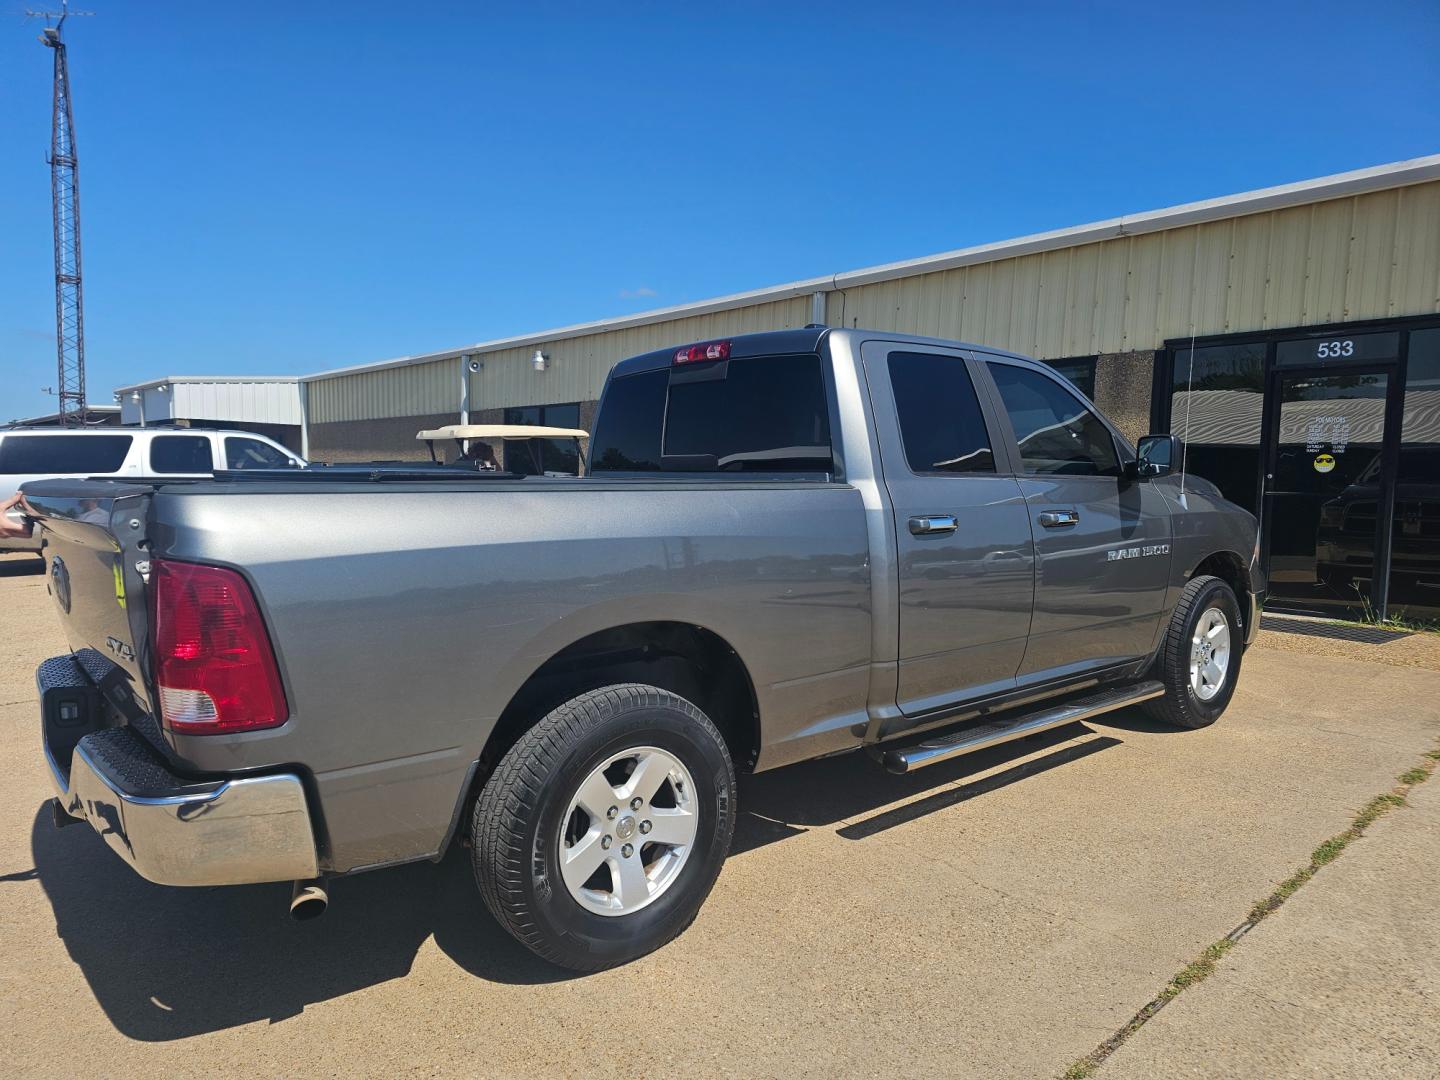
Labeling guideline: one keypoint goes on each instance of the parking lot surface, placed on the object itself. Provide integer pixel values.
(995, 916)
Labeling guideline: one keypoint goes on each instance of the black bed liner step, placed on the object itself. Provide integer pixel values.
(994, 732)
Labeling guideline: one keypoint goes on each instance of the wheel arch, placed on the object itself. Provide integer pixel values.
(1232, 569)
(684, 658)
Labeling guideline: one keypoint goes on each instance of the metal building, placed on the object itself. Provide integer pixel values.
(267, 405)
(1313, 309)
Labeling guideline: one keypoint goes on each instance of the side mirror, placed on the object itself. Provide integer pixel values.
(1158, 455)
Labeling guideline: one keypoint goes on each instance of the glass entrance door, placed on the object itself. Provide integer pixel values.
(1324, 487)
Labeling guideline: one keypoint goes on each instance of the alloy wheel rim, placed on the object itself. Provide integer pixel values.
(1209, 654)
(629, 831)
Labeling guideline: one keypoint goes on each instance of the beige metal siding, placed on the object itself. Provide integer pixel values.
(410, 390)
(576, 368)
(1363, 257)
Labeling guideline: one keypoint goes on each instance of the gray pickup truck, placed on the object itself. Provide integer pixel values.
(789, 545)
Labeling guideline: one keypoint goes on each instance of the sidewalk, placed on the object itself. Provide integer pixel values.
(1342, 981)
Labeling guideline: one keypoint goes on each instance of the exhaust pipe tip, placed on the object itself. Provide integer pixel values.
(308, 900)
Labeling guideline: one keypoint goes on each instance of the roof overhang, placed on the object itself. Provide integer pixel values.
(170, 380)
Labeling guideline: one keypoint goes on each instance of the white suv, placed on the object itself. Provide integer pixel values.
(127, 453)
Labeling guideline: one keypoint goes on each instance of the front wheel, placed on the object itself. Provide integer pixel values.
(601, 832)
(1199, 659)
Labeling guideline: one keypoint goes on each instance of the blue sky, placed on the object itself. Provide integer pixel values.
(280, 188)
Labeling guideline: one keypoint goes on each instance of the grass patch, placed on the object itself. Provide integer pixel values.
(1204, 965)
(1370, 617)
(1198, 970)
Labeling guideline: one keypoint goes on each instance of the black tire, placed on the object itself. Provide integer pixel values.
(1181, 705)
(525, 804)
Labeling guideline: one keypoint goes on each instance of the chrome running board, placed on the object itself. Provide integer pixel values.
(969, 739)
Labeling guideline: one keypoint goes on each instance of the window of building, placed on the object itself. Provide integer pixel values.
(1056, 433)
(940, 420)
(1080, 370)
(253, 454)
(180, 454)
(1216, 407)
(62, 455)
(747, 414)
(539, 457)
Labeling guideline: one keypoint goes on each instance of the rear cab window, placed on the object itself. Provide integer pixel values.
(63, 455)
(753, 414)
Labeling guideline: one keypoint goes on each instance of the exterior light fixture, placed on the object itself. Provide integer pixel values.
(539, 360)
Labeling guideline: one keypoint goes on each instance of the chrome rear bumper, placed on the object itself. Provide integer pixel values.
(177, 831)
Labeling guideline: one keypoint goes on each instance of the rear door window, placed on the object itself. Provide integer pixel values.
(940, 420)
(1055, 431)
(180, 454)
(63, 455)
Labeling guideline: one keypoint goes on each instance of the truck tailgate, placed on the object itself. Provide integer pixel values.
(93, 541)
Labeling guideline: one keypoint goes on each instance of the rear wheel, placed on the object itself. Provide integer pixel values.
(1199, 659)
(601, 832)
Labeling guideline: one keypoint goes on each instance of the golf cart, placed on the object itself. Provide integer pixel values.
(483, 459)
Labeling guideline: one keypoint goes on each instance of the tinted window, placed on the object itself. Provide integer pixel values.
(627, 431)
(940, 420)
(1080, 371)
(538, 456)
(63, 455)
(180, 454)
(1216, 407)
(753, 414)
(1055, 431)
(254, 454)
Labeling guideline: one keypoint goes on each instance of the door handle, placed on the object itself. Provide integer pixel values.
(1060, 519)
(933, 523)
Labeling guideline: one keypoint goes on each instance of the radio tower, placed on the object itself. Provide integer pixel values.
(65, 196)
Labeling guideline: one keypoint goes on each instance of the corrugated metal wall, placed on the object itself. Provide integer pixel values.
(1366, 257)
(576, 370)
(411, 390)
(257, 402)
(239, 401)
(577, 367)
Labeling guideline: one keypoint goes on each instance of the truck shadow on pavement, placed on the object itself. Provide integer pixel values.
(850, 789)
(169, 963)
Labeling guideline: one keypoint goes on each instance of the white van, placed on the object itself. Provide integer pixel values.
(125, 453)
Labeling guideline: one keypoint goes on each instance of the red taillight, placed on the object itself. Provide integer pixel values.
(714, 350)
(214, 667)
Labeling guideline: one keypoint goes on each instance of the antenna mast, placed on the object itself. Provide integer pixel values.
(65, 198)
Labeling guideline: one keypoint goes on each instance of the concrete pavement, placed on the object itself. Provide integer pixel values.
(996, 916)
(1342, 981)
